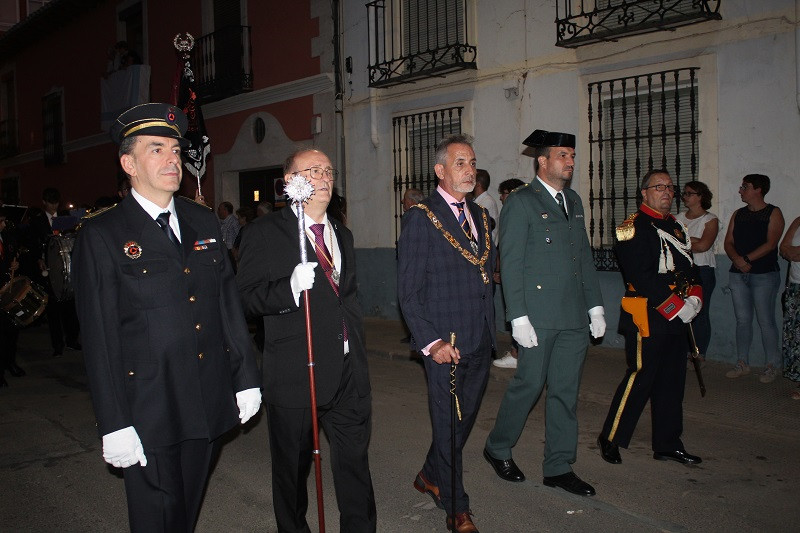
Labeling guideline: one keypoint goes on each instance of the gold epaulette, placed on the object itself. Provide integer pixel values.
(97, 212)
(626, 230)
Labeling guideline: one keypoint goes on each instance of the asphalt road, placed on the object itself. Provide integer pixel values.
(52, 476)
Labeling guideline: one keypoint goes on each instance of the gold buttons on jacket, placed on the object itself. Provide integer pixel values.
(144, 271)
(192, 299)
(130, 372)
(200, 355)
(186, 270)
(197, 327)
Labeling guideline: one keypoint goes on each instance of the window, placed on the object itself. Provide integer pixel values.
(636, 124)
(414, 140)
(53, 126)
(415, 39)
(8, 115)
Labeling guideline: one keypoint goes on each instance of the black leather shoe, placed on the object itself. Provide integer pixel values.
(609, 450)
(570, 483)
(57, 354)
(15, 370)
(678, 455)
(506, 469)
(75, 346)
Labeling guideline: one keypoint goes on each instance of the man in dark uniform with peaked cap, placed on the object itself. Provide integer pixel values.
(553, 299)
(170, 361)
(662, 295)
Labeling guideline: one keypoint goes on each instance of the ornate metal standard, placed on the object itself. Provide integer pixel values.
(298, 191)
(607, 20)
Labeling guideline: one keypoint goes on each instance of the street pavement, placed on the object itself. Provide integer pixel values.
(53, 478)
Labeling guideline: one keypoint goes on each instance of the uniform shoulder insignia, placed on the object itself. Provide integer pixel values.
(626, 230)
(100, 211)
(190, 200)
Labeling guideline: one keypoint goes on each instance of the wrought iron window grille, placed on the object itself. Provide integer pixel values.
(411, 40)
(53, 129)
(414, 140)
(637, 124)
(581, 22)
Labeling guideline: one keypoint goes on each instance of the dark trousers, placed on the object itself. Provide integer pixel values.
(8, 344)
(702, 322)
(62, 320)
(347, 423)
(165, 495)
(472, 374)
(656, 371)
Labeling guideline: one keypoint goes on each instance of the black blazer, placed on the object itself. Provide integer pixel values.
(164, 336)
(269, 252)
(439, 290)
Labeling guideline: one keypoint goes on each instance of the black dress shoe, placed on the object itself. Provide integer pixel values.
(74, 346)
(57, 354)
(678, 455)
(609, 450)
(506, 469)
(15, 370)
(570, 483)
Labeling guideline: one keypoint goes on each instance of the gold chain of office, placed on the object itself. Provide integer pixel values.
(469, 256)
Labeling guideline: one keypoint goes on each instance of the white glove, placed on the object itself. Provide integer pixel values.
(302, 278)
(122, 448)
(691, 306)
(597, 324)
(249, 401)
(523, 332)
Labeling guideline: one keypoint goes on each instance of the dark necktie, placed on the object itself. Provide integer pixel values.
(463, 221)
(560, 200)
(326, 262)
(163, 221)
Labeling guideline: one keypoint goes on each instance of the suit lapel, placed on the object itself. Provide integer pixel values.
(445, 214)
(150, 235)
(188, 231)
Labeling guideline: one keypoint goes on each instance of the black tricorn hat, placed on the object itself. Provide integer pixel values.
(550, 138)
(159, 120)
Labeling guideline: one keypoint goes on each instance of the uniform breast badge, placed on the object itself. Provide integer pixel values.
(132, 250)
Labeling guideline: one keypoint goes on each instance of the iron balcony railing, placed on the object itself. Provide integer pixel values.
(580, 22)
(222, 63)
(415, 39)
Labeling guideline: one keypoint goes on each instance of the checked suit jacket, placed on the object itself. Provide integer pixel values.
(268, 254)
(439, 290)
(165, 341)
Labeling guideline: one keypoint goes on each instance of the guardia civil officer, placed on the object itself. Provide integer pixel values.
(170, 362)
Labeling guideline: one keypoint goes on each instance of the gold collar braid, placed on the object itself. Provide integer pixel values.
(469, 256)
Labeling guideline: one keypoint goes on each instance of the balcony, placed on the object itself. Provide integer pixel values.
(581, 22)
(222, 63)
(411, 40)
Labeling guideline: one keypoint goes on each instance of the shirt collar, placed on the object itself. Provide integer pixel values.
(152, 209)
(448, 197)
(550, 189)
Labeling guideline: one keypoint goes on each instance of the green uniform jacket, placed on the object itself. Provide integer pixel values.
(546, 263)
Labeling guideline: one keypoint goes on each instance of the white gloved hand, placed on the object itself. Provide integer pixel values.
(302, 278)
(122, 448)
(249, 401)
(597, 321)
(523, 332)
(691, 306)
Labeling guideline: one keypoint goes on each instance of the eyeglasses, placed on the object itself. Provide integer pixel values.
(690, 193)
(661, 188)
(318, 172)
(745, 186)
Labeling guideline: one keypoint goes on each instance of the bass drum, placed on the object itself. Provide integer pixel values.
(59, 262)
(22, 300)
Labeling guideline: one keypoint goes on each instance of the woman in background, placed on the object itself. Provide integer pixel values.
(752, 246)
(790, 249)
(702, 228)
